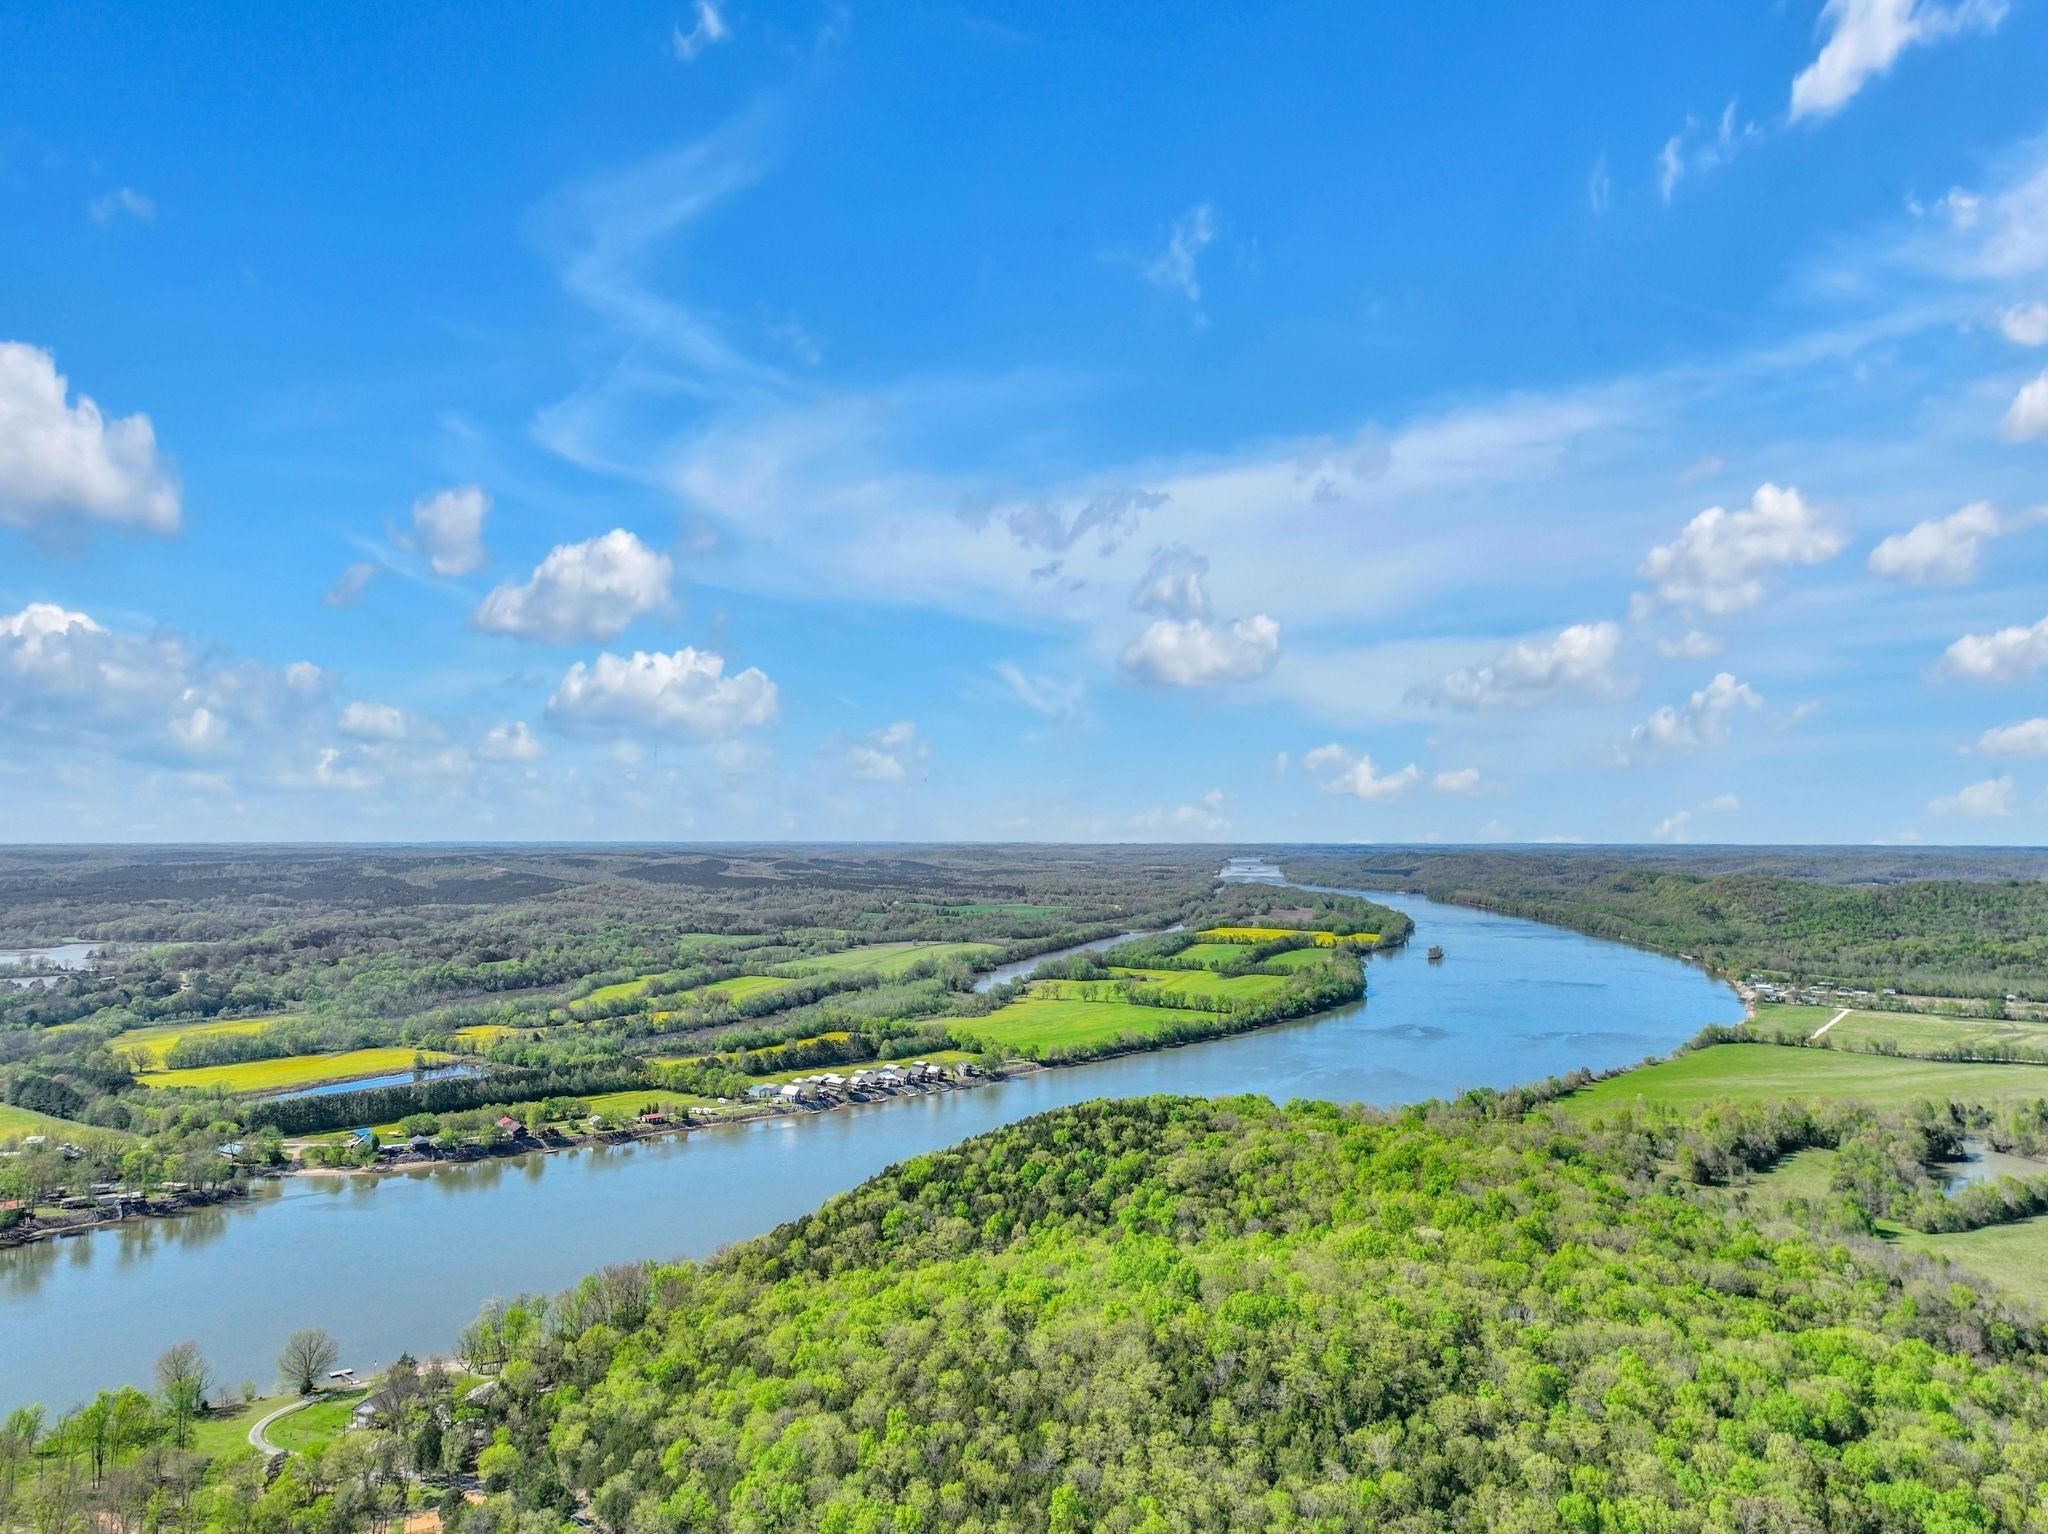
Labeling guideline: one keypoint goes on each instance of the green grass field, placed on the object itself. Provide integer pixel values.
(15, 1122)
(291, 1071)
(148, 1046)
(312, 1428)
(888, 959)
(1208, 986)
(1910, 1032)
(1004, 907)
(1213, 953)
(1044, 1022)
(2014, 1257)
(227, 1432)
(1757, 1072)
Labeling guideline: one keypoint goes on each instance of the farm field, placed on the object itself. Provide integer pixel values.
(1912, 1032)
(1204, 985)
(888, 959)
(1758, 1072)
(1268, 934)
(1213, 953)
(1044, 1022)
(484, 1035)
(149, 1045)
(290, 1071)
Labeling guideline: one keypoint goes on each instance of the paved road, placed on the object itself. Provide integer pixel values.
(258, 1436)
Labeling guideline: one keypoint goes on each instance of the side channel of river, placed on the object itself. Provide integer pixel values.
(403, 1261)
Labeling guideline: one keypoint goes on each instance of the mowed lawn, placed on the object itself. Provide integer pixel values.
(1757, 1072)
(290, 1071)
(15, 1122)
(312, 1428)
(1050, 1022)
(888, 959)
(148, 1046)
(1911, 1032)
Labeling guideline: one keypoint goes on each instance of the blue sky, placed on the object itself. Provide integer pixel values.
(1021, 421)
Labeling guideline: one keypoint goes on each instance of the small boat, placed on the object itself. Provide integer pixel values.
(1436, 953)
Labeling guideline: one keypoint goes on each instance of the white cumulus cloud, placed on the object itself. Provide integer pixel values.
(588, 590)
(2028, 738)
(509, 742)
(1942, 550)
(1673, 827)
(2006, 655)
(1350, 772)
(1866, 37)
(1578, 659)
(1459, 780)
(1980, 801)
(684, 692)
(62, 459)
(1718, 561)
(1193, 652)
(2026, 418)
(371, 721)
(449, 528)
(1703, 721)
(887, 755)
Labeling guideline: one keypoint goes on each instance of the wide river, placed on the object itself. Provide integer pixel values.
(402, 1261)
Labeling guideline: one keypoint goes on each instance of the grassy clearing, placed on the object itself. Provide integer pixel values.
(1322, 939)
(148, 1046)
(889, 959)
(1912, 1033)
(1202, 983)
(292, 1071)
(1001, 907)
(1760, 1072)
(15, 1122)
(625, 1105)
(1214, 953)
(312, 1428)
(227, 1432)
(1048, 1022)
(2014, 1256)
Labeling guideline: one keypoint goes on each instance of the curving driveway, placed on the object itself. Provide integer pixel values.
(258, 1435)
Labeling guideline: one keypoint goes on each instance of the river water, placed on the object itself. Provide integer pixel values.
(403, 1261)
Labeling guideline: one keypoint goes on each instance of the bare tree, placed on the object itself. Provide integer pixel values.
(306, 1358)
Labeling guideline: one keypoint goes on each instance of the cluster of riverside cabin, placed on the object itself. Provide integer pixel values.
(863, 1085)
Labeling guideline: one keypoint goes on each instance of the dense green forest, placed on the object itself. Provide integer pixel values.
(1175, 1314)
(1939, 923)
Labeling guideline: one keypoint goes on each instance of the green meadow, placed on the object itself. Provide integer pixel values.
(1037, 1023)
(888, 959)
(1910, 1033)
(1758, 1072)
